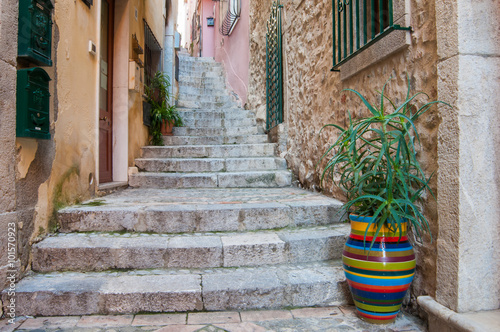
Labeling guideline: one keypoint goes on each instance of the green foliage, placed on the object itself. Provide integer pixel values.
(374, 162)
(159, 97)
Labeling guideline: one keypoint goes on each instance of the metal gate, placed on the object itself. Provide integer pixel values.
(274, 68)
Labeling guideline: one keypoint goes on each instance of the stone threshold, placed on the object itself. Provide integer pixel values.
(295, 319)
(442, 319)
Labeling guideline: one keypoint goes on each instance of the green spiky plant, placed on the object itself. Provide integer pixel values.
(374, 162)
(159, 97)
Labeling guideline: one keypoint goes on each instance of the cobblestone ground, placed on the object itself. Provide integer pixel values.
(329, 319)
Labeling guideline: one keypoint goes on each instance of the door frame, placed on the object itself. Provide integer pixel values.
(108, 175)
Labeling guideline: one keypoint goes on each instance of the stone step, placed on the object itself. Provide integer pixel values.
(210, 151)
(201, 210)
(270, 287)
(200, 65)
(105, 251)
(218, 123)
(214, 90)
(229, 113)
(227, 103)
(198, 60)
(205, 98)
(228, 131)
(202, 73)
(253, 179)
(209, 164)
(214, 140)
(203, 82)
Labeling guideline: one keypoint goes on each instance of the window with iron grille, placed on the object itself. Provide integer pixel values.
(358, 24)
(152, 54)
(229, 14)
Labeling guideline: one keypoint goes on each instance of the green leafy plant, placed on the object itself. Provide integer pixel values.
(159, 97)
(374, 162)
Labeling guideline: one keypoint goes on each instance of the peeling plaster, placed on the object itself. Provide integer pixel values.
(26, 150)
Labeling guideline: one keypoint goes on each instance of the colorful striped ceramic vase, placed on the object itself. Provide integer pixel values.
(379, 278)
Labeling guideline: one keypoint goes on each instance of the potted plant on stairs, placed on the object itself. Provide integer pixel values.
(374, 162)
(164, 115)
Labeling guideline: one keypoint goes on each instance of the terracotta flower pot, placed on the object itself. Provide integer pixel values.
(167, 127)
(378, 278)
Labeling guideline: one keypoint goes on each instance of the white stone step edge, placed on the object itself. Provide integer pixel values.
(269, 287)
(105, 251)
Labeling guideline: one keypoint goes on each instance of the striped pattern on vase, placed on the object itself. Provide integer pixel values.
(379, 278)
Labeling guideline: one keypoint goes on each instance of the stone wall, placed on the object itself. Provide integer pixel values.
(313, 96)
(8, 45)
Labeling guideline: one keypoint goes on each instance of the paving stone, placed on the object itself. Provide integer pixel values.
(159, 319)
(214, 317)
(6, 326)
(181, 328)
(52, 322)
(241, 327)
(263, 315)
(316, 312)
(105, 321)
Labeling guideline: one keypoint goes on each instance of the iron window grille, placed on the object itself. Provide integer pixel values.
(229, 14)
(152, 54)
(357, 24)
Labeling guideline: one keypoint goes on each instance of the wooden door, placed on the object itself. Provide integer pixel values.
(106, 93)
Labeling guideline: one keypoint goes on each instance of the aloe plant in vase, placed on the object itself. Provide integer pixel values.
(374, 162)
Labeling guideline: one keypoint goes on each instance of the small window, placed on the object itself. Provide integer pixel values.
(152, 54)
(229, 14)
(357, 24)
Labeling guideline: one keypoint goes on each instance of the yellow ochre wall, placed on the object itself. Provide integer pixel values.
(150, 11)
(62, 171)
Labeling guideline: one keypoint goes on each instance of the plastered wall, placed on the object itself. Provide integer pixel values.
(313, 95)
(149, 11)
(61, 171)
(233, 51)
(41, 176)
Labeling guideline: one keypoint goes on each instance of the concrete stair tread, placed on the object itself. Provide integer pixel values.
(221, 131)
(174, 290)
(243, 179)
(214, 140)
(201, 210)
(210, 151)
(196, 165)
(104, 251)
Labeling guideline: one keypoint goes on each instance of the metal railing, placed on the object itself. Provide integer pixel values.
(357, 24)
(274, 68)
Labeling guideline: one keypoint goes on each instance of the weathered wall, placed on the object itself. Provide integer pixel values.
(74, 120)
(313, 94)
(41, 176)
(138, 133)
(233, 51)
(208, 32)
(8, 45)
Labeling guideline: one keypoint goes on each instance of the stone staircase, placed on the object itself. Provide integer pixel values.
(211, 223)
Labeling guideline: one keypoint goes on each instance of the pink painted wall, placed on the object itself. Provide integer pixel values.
(234, 52)
(208, 33)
